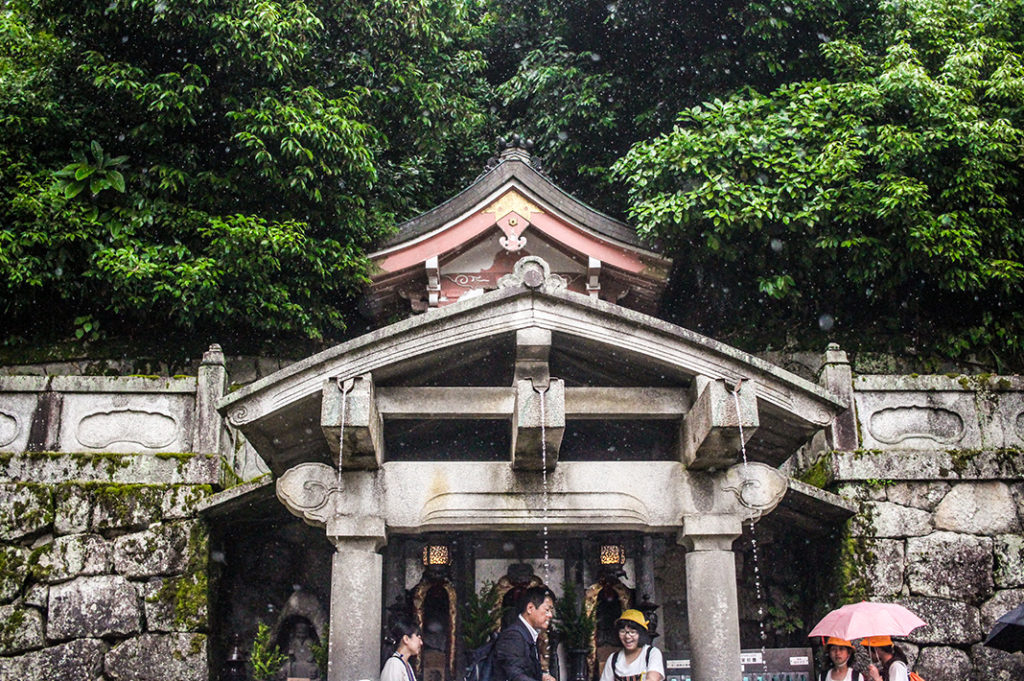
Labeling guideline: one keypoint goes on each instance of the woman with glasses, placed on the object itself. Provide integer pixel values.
(638, 660)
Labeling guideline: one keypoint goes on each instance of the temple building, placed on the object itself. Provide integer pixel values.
(518, 417)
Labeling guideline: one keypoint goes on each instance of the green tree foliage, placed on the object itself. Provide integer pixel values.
(219, 168)
(889, 191)
(587, 80)
(221, 165)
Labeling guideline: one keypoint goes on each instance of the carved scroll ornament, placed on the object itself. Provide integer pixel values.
(312, 491)
(758, 488)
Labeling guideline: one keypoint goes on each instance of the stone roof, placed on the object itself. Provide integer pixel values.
(475, 345)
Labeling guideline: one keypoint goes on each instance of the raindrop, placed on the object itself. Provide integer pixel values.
(777, 245)
(826, 322)
(594, 56)
(563, 135)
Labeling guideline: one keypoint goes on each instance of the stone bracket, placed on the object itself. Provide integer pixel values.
(363, 424)
(755, 489)
(527, 453)
(310, 491)
(710, 433)
(315, 493)
(742, 493)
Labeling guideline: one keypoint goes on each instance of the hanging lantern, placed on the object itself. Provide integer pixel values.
(436, 554)
(613, 554)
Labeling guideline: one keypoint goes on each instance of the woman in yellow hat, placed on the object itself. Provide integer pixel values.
(638, 660)
(838, 667)
(888, 661)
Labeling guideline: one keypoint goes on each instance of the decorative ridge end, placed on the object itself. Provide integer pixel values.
(514, 148)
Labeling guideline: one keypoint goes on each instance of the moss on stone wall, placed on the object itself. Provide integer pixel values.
(37, 512)
(856, 558)
(13, 569)
(819, 473)
(1009, 461)
(10, 628)
(115, 507)
(187, 596)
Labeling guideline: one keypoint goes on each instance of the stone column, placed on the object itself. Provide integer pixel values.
(837, 377)
(211, 381)
(347, 507)
(356, 576)
(712, 606)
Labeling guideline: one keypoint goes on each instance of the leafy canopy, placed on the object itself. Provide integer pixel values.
(892, 188)
(221, 165)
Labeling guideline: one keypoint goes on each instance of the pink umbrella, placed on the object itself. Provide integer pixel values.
(858, 620)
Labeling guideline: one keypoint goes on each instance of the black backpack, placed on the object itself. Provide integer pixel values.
(481, 663)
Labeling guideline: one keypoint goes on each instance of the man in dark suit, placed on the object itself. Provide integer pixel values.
(516, 656)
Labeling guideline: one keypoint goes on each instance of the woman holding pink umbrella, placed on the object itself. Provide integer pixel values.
(889, 662)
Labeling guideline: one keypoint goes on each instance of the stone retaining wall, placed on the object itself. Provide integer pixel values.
(945, 541)
(103, 567)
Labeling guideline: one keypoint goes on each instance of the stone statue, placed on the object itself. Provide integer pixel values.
(301, 663)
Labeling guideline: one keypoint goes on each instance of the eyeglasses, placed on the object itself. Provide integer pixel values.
(625, 631)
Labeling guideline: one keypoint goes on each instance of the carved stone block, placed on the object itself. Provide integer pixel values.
(361, 420)
(710, 434)
(535, 447)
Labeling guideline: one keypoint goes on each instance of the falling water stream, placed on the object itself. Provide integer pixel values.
(341, 431)
(544, 479)
(753, 538)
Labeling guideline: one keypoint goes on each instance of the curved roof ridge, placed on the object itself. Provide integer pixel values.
(514, 164)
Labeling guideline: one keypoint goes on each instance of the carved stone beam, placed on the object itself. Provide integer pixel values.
(461, 402)
(535, 448)
(665, 404)
(352, 403)
(710, 433)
